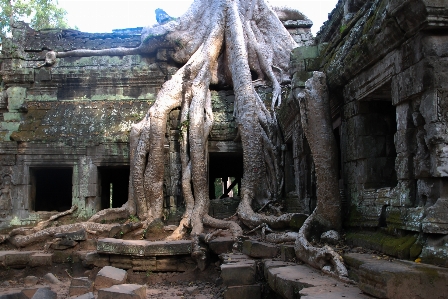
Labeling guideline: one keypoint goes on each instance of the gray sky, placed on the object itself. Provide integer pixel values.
(105, 15)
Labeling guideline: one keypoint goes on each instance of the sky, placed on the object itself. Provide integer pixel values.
(105, 15)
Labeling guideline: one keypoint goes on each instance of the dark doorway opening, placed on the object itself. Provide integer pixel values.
(377, 128)
(225, 173)
(52, 188)
(113, 186)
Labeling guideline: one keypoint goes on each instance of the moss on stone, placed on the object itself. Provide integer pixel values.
(415, 250)
(297, 221)
(394, 246)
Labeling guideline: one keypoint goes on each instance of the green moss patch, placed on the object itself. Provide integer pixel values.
(394, 246)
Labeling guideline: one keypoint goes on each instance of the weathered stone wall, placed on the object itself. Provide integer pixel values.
(386, 69)
(76, 114)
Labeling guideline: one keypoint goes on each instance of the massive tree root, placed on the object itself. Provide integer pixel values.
(316, 123)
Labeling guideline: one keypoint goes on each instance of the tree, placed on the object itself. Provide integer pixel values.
(219, 43)
(40, 14)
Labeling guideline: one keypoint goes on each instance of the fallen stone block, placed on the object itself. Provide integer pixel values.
(44, 293)
(41, 259)
(109, 276)
(241, 272)
(123, 291)
(221, 245)
(13, 295)
(85, 296)
(258, 249)
(243, 292)
(80, 286)
(51, 278)
(30, 280)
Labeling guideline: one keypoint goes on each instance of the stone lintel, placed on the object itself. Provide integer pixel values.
(144, 248)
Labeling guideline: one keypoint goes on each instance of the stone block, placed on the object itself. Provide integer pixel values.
(80, 286)
(94, 259)
(435, 251)
(29, 292)
(85, 296)
(400, 279)
(121, 261)
(221, 245)
(144, 248)
(124, 291)
(166, 264)
(12, 116)
(16, 97)
(243, 292)
(44, 293)
(49, 277)
(144, 264)
(436, 221)
(40, 259)
(13, 295)
(78, 291)
(109, 276)
(17, 259)
(239, 273)
(30, 280)
(259, 249)
(287, 253)
(270, 264)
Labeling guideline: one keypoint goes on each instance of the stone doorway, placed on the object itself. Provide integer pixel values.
(225, 173)
(113, 182)
(51, 188)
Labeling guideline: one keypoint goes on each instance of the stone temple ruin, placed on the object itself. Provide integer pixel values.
(64, 135)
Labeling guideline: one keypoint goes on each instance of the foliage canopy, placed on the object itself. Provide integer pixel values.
(40, 14)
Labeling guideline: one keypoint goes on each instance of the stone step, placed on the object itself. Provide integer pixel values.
(397, 279)
(239, 272)
(143, 248)
(239, 275)
(292, 281)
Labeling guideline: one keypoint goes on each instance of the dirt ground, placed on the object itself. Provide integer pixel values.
(187, 285)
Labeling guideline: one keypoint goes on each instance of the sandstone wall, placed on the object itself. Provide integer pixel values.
(386, 69)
